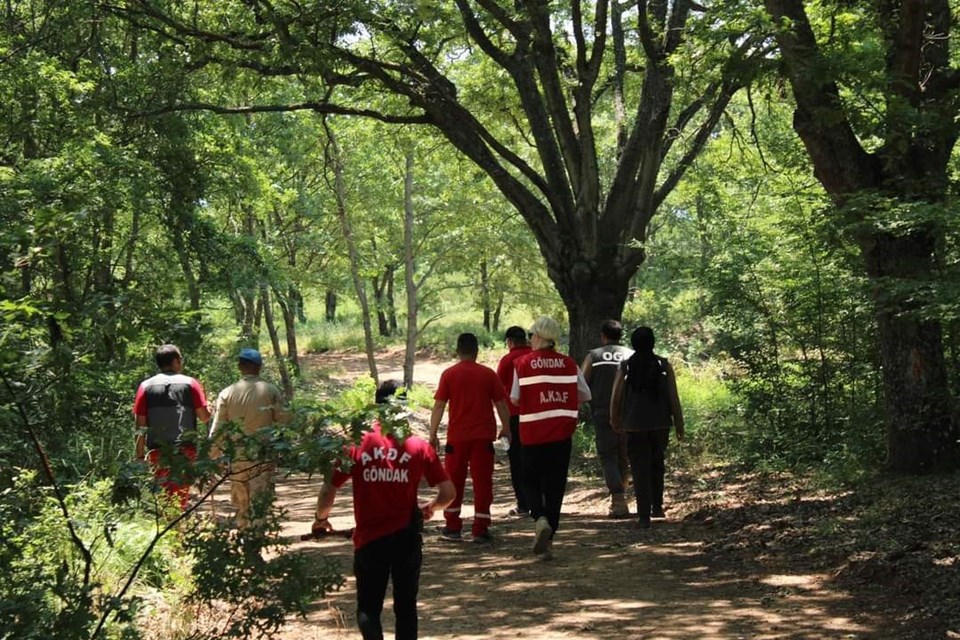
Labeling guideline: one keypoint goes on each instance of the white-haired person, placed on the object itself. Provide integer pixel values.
(548, 388)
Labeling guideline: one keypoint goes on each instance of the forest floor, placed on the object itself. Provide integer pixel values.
(738, 556)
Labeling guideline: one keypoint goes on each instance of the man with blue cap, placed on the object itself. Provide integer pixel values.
(251, 404)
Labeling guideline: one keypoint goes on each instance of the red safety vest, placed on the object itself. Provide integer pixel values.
(548, 396)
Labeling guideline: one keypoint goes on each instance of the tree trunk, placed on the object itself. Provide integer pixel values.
(330, 306)
(295, 299)
(290, 328)
(341, 197)
(909, 169)
(250, 320)
(392, 302)
(497, 311)
(598, 297)
(275, 341)
(383, 300)
(921, 433)
(485, 294)
(409, 271)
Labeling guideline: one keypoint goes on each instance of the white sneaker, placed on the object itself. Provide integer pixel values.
(542, 533)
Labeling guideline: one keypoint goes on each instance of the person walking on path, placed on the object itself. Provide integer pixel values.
(473, 391)
(516, 339)
(167, 407)
(645, 404)
(387, 540)
(252, 404)
(599, 370)
(549, 388)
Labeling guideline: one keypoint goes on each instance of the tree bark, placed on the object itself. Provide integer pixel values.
(589, 306)
(409, 272)
(339, 188)
(907, 172)
(290, 328)
(275, 342)
(921, 434)
(485, 294)
(330, 306)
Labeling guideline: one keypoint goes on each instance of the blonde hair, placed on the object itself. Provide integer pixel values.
(547, 328)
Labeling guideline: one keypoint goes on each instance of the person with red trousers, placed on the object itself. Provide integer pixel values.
(473, 391)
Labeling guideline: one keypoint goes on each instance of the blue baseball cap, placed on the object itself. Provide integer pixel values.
(251, 355)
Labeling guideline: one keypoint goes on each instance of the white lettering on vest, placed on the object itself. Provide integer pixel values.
(549, 395)
(547, 363)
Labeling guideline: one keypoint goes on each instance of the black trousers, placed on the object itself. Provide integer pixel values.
(647, 451)
(545, 469)
(397, 556)
(516, 464)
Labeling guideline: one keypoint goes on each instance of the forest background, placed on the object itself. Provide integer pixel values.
(770, 187)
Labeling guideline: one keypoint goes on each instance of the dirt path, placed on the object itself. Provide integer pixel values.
(608, 580)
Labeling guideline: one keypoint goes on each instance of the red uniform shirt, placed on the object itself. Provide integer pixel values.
(506, 369)
(386, 474)
(470, 389)
(549, 397)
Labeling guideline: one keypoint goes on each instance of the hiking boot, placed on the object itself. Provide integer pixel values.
(548, 554)
(657, 512)
(618, 506)
(643, 522)
(517, 511)
(542, 533)
(483, 538)
(449, 534)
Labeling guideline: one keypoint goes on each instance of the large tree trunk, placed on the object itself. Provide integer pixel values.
(921, 432)
(907, 172)
(591, 300)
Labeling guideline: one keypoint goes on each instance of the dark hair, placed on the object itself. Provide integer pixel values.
(165, 356)
(517, 334)
(644, 369)
(613, 330)
(467, 344)
(642, 339)
(388, 389)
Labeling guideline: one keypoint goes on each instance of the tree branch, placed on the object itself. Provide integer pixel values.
(475, 31)
(51, 478)
(316, 107)
(842, 164)
(235, 40)
(647, 37)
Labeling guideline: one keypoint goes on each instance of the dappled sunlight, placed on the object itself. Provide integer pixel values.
(608, 579)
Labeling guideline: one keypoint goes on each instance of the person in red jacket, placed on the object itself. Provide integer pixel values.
(549, 389)
(516, 339)
(473, 392)
(387, 540)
